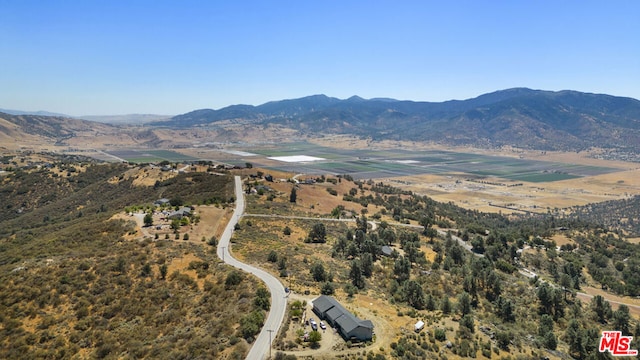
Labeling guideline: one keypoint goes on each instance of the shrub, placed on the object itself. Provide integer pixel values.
(327, 289)
(273, 256)
(233, 278)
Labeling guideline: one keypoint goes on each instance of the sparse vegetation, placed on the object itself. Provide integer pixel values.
(121, 293)
(433, 276)
(111, 297)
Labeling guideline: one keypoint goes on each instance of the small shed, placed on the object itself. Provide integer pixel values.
(418, 326)
(386, 250)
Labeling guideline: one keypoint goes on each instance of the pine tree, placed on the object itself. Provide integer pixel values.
(293, 196)
(356, 275)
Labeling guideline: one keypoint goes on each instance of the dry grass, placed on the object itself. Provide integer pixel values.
(181, 265)
(633, 240)
(562, 239)
(534, 197)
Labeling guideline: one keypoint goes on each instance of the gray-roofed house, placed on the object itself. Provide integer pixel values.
(163, 201)
(179, 214)
(333, 314)
(349, 326)
(323, 304)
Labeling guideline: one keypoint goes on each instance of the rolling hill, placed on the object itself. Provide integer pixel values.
(535, 119)
(41, 130)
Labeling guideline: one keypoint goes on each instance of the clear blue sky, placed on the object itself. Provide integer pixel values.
(170, 57)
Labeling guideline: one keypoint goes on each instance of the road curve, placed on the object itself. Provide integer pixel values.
(261, 346)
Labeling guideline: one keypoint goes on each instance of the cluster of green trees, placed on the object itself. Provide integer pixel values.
(618, 215)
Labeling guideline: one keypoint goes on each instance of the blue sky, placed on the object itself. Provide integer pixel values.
(171, 57)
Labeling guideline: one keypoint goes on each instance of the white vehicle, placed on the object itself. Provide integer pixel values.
(323, 326)
(313, 323)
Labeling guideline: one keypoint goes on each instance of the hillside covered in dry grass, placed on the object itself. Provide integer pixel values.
(76, 284)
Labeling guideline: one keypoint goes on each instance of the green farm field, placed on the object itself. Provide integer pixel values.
(373, 164)
(150, 156)
(492, 182)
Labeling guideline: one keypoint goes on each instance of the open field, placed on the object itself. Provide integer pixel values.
(149, 156)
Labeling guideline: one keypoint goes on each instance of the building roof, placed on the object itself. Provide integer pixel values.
(335, 312)
(185, 211)
(366, 323)
(324, 303)
(386, 250)
(348, 322)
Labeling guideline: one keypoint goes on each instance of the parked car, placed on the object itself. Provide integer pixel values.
(313, 323)
(323, 326)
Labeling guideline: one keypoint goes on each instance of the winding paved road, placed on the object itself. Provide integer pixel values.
(261, 346)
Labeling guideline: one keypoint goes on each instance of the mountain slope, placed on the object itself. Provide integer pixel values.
(56, 127)
(37, 130)
(564, 120)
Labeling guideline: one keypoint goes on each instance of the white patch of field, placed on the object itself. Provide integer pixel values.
(296, 158)
(407, 161)
(239, 153)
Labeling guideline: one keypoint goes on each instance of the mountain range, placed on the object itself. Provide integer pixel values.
(533, 119)
(536, 119)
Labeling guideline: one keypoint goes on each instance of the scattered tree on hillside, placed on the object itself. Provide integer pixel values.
(318, 234)
(318, 273)
(148, 219)
(327, 289)
(314, 339)
(621, 319)
(273, 256)
(464, 303)
(414, 295)
(601, 308)
(402, 269)
(163, 271)
(355, 274)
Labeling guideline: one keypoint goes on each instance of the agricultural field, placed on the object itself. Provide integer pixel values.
(507, 181)
(150, 156)
(374, 164)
